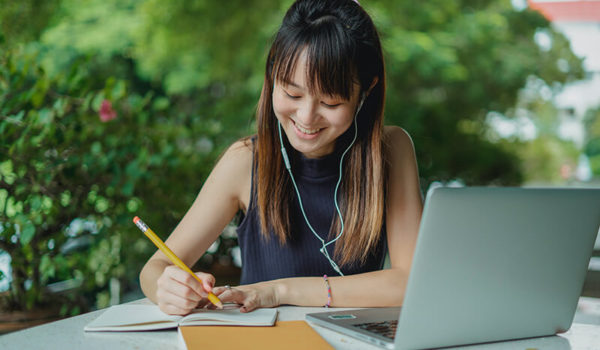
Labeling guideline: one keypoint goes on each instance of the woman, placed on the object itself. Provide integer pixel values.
(325, 188)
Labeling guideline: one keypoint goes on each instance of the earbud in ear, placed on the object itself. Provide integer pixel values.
(363, 97)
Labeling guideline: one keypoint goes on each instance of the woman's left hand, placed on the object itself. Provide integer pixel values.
(250, 297)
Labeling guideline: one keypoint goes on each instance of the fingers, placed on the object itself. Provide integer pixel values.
(208, 281)
(250, 305)
(176, 298)
(185, 278)
(172, 309)
(230, 295)
(178, 292)
(248, 299)
(220, 290)
(181, 307)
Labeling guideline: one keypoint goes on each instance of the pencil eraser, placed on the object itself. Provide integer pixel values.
(135, 220)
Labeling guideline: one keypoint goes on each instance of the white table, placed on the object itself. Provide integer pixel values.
(69, 334)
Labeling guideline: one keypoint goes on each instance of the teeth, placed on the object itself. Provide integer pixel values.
(307, 131)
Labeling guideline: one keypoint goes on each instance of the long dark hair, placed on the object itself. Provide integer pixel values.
(342, 48)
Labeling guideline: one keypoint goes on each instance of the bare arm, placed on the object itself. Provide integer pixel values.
(377, 288)
(171, 288)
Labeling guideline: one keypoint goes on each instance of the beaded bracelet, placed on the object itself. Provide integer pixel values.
(328, 291)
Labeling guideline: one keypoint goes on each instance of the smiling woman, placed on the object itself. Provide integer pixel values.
(313, 186)
(312, 123)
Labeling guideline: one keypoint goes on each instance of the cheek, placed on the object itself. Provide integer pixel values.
(280, 106)
(341, 119)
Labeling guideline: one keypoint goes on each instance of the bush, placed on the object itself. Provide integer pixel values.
(81, 155)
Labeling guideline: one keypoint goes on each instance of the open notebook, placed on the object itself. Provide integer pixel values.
(132, 317)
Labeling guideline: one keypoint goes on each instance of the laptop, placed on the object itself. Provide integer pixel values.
(490, 264)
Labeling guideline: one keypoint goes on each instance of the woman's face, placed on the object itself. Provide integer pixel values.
(311, 123)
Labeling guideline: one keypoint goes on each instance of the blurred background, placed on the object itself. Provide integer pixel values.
(111, 109)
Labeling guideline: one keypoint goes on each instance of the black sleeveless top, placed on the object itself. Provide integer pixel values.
(266, 259)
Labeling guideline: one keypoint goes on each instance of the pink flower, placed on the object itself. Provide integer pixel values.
(107, 113)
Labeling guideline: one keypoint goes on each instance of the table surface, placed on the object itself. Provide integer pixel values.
(69, 334)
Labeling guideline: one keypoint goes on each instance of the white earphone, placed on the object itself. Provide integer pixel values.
(286, 160)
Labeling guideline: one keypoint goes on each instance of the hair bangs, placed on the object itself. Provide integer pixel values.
(285, 60)
(329, 58)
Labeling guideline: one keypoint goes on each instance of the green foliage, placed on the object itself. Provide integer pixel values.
(211, 56)
(62, 163)
(23, 21)
(450, 64)
(592, 147)
(546, 158)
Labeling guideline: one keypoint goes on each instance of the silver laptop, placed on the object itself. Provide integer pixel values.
(490, 264)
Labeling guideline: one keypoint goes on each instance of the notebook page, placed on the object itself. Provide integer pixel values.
(133, 318)
(232, 317)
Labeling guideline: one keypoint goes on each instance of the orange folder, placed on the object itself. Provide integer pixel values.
(287, 335)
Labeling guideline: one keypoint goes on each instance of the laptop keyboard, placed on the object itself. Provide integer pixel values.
(384, 328)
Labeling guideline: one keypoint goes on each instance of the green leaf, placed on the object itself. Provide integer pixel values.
(96, 148)
(6, 168)
(35, 203)
(47, 203)
(161, 103)
(127, 189)
(3, 199)
(65, 198)
(27, 233)
(59, 106)
(45, 116)
(47, 268)
(119, 89)
(13, 207)
(102, 205)
(97, 101)
(133, 205)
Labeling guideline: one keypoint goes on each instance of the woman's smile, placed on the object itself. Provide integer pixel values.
(312, 121)
(306, 133)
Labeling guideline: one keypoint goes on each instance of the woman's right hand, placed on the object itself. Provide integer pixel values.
(178, 293)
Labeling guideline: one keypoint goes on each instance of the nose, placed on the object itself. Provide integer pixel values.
(307, 113)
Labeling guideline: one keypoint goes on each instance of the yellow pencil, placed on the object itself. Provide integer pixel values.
(169, 253)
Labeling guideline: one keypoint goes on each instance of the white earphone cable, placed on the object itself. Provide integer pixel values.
(286, 160)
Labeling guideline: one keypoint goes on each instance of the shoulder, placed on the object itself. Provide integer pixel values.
(395, 132)
(233, 171)
(399, 153)
(397, 142)
(238, 154)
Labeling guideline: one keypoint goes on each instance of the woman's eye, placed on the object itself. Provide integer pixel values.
(291, 96)
(333, 105)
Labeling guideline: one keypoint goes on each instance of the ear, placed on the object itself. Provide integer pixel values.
(364, 95)
(373, 83)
